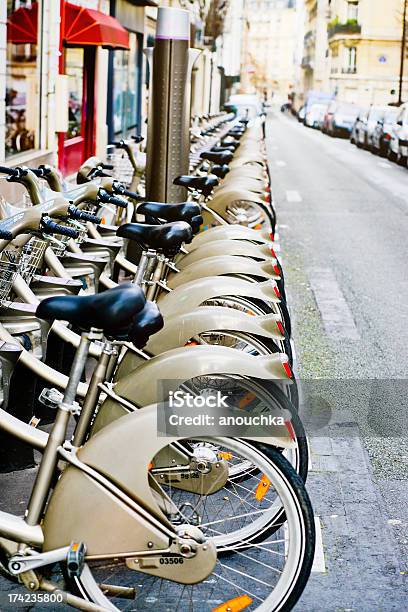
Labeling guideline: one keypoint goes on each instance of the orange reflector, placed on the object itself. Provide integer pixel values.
(103, 221)
(192, 343)
(258, 227)
(234, 605)
(262, 488)
(226, 456)
(247, 399)
(150, 466)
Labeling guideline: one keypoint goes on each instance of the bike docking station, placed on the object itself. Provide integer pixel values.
(171, 62)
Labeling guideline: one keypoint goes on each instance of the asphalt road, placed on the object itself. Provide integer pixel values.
(343, 216)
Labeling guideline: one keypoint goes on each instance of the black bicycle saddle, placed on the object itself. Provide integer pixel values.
(185, 211)
(146, 323)
(167, 238)
(220, 158)
(220, 171)
(113, 311)
(205, 184)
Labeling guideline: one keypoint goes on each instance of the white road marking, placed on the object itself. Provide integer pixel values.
(293, 196)
(309, 448)
(335, 312)
(280, 163)
(319, 564)
(384, 164)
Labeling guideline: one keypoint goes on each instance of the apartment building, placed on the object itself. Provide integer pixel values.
(364, 50)
(314, 60)
(269, 46)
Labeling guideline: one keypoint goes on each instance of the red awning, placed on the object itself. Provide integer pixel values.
(82, 27)
(85, 27)
(22, 26)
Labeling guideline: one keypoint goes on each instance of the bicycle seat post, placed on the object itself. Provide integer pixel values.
(58, 432)
(144, 267)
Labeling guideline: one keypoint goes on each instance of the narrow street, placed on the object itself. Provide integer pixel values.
(343, 222)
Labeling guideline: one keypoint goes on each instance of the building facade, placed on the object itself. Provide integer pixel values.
(66, 90)
(314, 60)
(352, 50)
(364, 54)
(269, 47)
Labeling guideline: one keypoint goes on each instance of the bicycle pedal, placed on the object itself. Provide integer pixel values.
(50, 397)
(76, 559)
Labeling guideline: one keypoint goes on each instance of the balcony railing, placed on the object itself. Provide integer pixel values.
(349, 70)
(344, 28)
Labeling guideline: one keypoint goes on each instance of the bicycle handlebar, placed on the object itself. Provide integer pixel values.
(82, 215)
(5, 235)
(48, 226)
(9, 171)
(107, 198)
(121, 189)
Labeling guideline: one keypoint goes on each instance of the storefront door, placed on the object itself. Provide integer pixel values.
(78, 142)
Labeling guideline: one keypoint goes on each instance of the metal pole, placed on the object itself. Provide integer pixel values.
(403, 45)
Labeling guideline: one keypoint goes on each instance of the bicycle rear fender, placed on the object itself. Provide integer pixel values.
(190, 295)
(225, 247)
(181, 328)
(142, 385)
(223, 265)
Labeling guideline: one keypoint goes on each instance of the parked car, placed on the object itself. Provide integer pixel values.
(380, 141)
(328, 117)
(247, 105)
(357, 135)
(315, 115)
(342, 119)
(376, 114)
(302, 114)
(398, 149)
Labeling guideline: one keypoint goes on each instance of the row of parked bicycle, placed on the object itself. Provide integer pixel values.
(189, 294)
(383, 130)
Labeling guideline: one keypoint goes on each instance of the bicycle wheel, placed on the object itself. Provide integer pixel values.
(265, 574)
(258, 396)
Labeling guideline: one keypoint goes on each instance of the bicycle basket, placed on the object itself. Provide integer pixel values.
(9, 266)
(32, 257)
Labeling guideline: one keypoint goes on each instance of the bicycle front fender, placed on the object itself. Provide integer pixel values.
(230, 232)
(192, 294)
(225, 247)
(181, 328)
(143, 385)
(223, 199)
(224, 265)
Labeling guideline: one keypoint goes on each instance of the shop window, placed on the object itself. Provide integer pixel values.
(74, 68)
(22, 89)
(126, 88)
